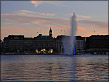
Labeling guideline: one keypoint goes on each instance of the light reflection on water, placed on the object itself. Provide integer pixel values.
(46, 67)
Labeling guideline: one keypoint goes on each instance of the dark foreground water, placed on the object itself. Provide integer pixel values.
(54, 68)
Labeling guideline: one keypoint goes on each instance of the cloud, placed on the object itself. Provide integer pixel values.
(5, 31)
(44, 22)
(99, 24)
(31, 13)
(36, 3)
(51, 20)
(26, 11)
(16, 29)
(37, 22)
(59, 26)
(33, 19)
(81, 16)
(65, 27)
(17, 18)
(46, 14)
(23, 12)
(81, 29)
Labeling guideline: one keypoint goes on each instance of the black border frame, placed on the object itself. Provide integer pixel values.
(53, 0)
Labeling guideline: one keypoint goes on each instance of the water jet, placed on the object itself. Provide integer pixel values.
(68, 42)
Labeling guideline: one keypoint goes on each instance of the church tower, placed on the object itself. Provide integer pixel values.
(50, 32)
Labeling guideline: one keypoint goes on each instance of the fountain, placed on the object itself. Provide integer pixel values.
(68, 42)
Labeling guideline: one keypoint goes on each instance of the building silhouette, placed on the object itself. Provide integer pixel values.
(47, 44)
(41, 44)
(98, 44)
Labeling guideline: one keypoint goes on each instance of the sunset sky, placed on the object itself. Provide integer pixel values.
(29, 18)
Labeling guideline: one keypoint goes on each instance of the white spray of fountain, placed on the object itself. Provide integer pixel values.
(68, 42)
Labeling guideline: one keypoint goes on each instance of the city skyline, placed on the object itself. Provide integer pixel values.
(38, 16)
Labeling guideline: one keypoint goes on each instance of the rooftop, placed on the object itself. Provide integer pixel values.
(40, 37)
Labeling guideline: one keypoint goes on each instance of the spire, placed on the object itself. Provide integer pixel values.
(74, 14)
(50, 29)
(50, 32)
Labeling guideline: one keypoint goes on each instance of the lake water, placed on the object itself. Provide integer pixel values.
(54, 68)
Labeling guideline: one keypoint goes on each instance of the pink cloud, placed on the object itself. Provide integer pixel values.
(36, 3)
(17, 18)
(31, 12)
(20, 13)
(37, 22)
(98, 24)
(59, 26)
(33, 19)
(43, 22)
(5, 31)
(81, 29)
(16, 29)
(46, 14)
(51, 20)
(81, 16)
(26, 11)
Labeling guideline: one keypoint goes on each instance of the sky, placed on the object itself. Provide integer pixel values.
(30, 18)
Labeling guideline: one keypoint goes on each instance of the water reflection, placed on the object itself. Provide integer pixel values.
(64, 68)
(93, 69)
